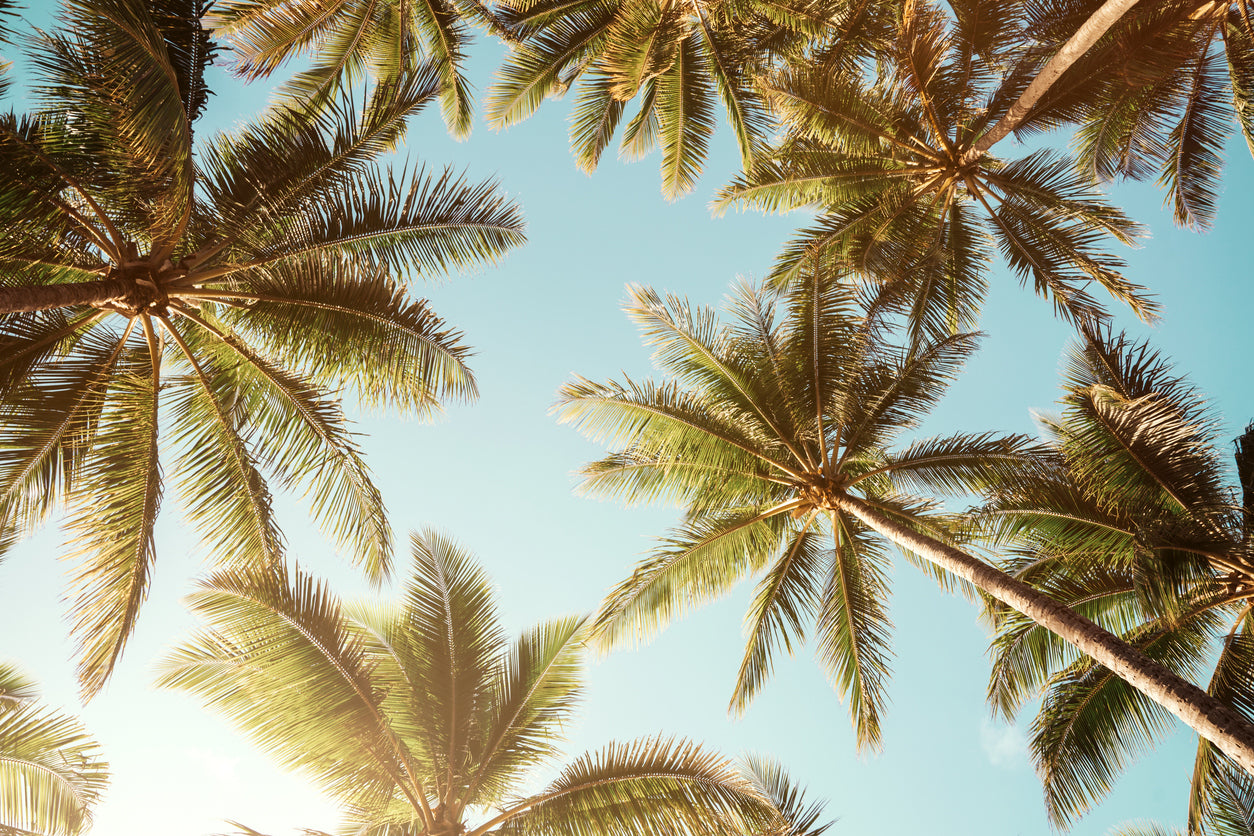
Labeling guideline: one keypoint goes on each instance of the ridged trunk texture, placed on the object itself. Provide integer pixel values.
(46, 297)
(1210, 718)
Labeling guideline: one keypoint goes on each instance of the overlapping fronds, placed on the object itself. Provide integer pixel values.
(1092, 723)
(695, 563)
(234, 290)
(421, 711)
(763, 424)
(1130, 522)
(112, 513)
(51, 770)
(280, 661)
(305, 439)
(906, 205)
(1158, 94)
(345, 42)
(537, 688)
(677, 62)
(770, 778)
(131, 73)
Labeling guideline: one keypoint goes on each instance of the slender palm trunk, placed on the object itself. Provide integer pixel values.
(1078, 44)
(1209, 717)
(49, 296)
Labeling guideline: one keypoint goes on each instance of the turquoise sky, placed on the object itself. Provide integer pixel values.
(496, 474)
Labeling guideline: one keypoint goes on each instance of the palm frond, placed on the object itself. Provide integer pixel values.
(632, 789)
(411, 223)
(685, 108)
(852, 629)
(536, 690)
(454, 638)
(113, 508)
(279, 660)
(698, 562)
(787, 596)
(302, 435)
(537, 68)
(351, 326)
(51, 771)
(226, 497)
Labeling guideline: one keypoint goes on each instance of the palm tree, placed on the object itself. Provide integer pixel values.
(51, 770)
(344, 41)
(907, 200)
(222, 298)
(1160, 92)
(678, 59)
(1135, 526)
(421, 717)
(774, 433)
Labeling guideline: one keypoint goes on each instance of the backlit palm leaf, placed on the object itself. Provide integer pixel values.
(419, 715)
(51, 771)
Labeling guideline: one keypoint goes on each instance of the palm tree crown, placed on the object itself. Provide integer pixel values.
(775, 435)
(1136, 526)
(765, 425)
(222, 297)
(907, 203)
(421, 717)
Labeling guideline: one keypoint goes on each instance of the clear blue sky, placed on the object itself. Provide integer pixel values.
(497, 475)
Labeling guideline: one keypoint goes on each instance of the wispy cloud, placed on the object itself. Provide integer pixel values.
(1004, 746)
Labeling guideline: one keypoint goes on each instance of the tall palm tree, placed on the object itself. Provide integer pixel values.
(51, 770)
(1136, 526)
(422, 717)
(774, 433)
(905, 202)
(222, 298)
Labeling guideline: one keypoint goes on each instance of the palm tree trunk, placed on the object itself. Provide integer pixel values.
(45, 297)
(1209, 717)
(1078, 44)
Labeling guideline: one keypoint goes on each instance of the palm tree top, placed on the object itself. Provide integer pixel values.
(763, 430)
(233, 287)
(1135, 524)
(422, 716)
(907, 205)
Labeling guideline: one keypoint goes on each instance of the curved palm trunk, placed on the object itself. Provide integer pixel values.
(1209, 717)
(1078, 44)
(45, 297)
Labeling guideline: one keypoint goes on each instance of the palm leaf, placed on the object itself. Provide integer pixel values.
(51, 771)
(113, 508)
